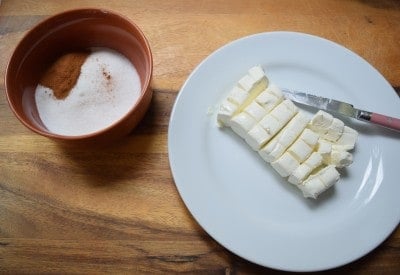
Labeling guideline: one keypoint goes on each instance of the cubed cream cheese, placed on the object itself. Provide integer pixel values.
(320, 122)
(340, 158)
(277, 146)
(270, 124)
(324, 148)
(347, 140)
(272, 151)
(237, 95)
(275, 91)
(309, 137)
(335, 130)
(255, 110)
(293, 129)
(257, 73)
(300, 150)
(329, 175)
(247, 83)
(283, 113)
(257, 137)
(285, 165)
(242, 123)
(299, 174)
(305, 169)
(296, 147)
(290, 105)
(317, 183)
(314, 160)
(267, 100)
(225, 112)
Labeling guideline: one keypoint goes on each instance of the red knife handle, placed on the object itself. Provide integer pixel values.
(386, 121)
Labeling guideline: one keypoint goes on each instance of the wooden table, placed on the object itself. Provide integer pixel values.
(118, 210)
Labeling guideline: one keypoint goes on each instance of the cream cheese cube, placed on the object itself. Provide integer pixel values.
(255, 110)
(242, 123)
(340, 158)
(310, 137)
(237, 95)
(277, 146)
(329, 175)
(293, 129)
(335, 130)
(257, 73)
(347, 140)
(312, 187)
(290, 105)
(275, 91)
(225, 112)
(257, 137)
(300, 150)
(318, 183)
(267, 100)
(285, 165)
(320, 122)
(283, 113)
(299, 174)
(314, 160)
(247, 83)
(324, 148)
(270, 124)
(305, 169)
(268, 152)
(274, 154)
(253, 84)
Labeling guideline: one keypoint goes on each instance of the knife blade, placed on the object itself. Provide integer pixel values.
(343, 108)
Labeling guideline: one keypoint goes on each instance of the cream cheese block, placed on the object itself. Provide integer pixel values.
(303, 150)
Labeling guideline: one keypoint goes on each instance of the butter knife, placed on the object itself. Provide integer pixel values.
(343, 108)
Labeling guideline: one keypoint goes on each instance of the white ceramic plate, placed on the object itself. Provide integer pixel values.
(242, 202)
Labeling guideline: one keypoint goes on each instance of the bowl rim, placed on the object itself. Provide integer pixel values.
(145, 87)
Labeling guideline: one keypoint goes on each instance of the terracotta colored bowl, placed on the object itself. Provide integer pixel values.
(71, 31)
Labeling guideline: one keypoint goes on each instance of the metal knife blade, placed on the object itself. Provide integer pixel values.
(343, 108)
(323, 103)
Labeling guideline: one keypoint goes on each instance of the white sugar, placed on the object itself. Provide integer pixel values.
(106, 90)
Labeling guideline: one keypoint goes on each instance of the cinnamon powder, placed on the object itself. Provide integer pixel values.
(62, 76)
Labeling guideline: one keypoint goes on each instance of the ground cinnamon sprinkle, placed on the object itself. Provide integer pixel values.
(62, 76)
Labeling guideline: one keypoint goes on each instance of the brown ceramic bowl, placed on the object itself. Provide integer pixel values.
(71, 31)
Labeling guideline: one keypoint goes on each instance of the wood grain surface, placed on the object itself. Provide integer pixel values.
(117, 210)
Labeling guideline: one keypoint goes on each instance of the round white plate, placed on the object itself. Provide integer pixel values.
(242, 202)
